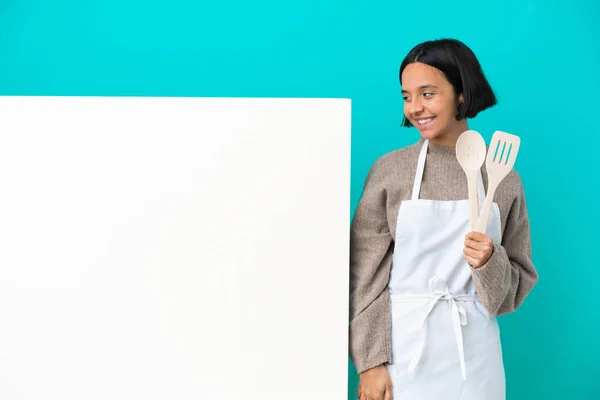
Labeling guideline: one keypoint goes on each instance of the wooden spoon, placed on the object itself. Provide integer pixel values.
(470, 152)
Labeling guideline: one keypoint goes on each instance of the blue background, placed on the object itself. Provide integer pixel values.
(541, 57)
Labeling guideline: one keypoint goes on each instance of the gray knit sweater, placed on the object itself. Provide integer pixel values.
(502, 283)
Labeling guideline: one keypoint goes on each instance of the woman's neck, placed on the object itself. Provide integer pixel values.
(450, 137)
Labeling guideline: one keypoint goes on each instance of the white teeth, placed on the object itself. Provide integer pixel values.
(424, 121)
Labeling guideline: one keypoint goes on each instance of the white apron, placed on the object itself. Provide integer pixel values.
(445, 345)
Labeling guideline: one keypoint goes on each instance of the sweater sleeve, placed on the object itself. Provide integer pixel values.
(508, 277)
(370, 262)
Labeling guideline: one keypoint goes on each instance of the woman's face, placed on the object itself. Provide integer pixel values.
(430, 103)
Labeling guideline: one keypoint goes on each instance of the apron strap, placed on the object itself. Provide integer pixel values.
(421, 168)
(480, 189)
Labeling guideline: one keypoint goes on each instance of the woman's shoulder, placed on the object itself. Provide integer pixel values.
(399, 159)
(512, 184)
(510, 194)
(392, 172)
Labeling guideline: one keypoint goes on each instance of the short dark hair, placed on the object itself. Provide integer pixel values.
(461, 68)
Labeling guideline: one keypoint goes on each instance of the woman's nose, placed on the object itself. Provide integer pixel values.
(415, 106)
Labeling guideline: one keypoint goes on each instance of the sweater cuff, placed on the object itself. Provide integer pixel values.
(372, 362)
(491, 278)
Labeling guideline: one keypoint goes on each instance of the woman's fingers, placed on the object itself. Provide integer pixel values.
(472, 261)
(374, 383)
(483, 247)
(478, 238)
(374, 394)
(388, 393)
(474, 253)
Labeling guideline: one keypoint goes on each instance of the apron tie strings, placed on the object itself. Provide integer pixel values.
(439, 291)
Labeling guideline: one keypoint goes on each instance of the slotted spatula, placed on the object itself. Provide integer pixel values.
(500, 160)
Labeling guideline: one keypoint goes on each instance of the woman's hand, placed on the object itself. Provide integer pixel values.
(478, 249)
(375, 384)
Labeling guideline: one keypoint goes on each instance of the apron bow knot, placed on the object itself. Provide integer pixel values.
(439, 291)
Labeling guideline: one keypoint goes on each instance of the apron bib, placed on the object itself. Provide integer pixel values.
(445, 345)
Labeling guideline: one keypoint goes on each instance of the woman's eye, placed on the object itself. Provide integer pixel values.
(405, 98)
(427, 94)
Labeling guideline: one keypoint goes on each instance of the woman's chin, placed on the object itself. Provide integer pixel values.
(428, 134)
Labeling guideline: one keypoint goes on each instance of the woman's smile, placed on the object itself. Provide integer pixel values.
(424, 123)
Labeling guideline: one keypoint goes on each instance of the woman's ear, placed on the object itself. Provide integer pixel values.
(460, 106)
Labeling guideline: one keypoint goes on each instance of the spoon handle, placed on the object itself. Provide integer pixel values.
(484, 217)
(473, 197)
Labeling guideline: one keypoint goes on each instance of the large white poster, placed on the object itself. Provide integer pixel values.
(173, 248)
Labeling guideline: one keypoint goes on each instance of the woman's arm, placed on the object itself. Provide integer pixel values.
(506, 279)
(370, 262)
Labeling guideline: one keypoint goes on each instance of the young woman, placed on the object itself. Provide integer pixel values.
(425, 290)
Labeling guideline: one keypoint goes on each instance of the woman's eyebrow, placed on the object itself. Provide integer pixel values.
(422, 87)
